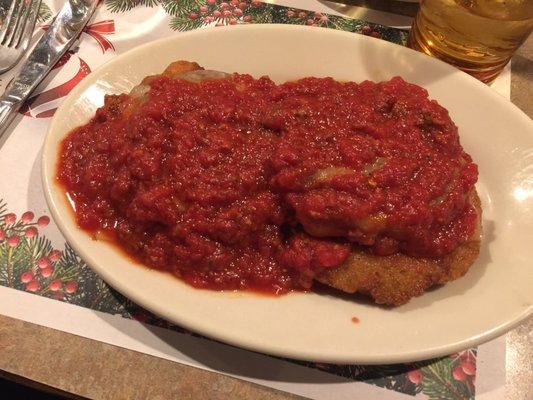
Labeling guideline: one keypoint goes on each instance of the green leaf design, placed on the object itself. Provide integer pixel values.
(118, 6)
(184, 23)
(181, 7)
(192, 14)
(438, 382)
(261, 14)
(45, 13)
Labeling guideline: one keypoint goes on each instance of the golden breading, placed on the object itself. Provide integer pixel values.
(394, 280)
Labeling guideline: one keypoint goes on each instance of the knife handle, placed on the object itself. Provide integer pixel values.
(8, 111)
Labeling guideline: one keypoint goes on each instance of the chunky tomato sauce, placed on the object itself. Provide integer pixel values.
(240, 183)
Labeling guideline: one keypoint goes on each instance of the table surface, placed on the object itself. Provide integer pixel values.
(75, 367)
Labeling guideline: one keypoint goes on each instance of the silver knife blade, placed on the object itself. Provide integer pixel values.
(63, 32)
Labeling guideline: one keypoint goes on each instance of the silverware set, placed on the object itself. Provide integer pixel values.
(17, 22)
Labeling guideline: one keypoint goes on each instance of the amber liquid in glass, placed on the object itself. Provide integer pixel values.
(477, 36)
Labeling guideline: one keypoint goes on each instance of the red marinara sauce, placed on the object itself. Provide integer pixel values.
(240, 183)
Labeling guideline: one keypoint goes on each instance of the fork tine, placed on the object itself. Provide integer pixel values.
(8, 19)
(27, 31)
(21, 16)
(21, 26)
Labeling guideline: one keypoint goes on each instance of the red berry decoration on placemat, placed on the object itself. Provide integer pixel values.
(43, 221)
(55, 285)
(47, 272)
(33, 286)
(30, 232)
(415, 376)
(58, 296)
(458, 374)
(27, 217)
(469, 368)
(366, 30)
(43, 263)
(26, 276)
(13, 241)
(71, 287)
(10, 219)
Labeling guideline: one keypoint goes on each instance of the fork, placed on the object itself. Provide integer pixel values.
(18, 20)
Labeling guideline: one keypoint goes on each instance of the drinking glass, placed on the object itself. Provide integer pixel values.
(477, 36)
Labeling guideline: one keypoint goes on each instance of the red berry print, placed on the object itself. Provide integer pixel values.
(71, 287)
(27, 217)
(43, 263)
(366, 30)
(302, 14)
(458, 374)
(243, 6)
(237, 12)
(415, 376)
(59, 296)
(47, 272)
(208, 20)
(290, 13)
(30, 232)
(203, 9)
(375, 34)
(33, 286)
(310, 22)
(139, 316)
(54, 255)
(234, 3)
(233, 21)
(2, 234)
(256, 3)
(211, 2)
(26, 276)
(13, 241)
(217, 14)
(466, 356)
(227, 13)
(247, 18)
(469, 368)
(10, 219)
(43, 221)
(193, 16)
(55, 285)
(223, 5)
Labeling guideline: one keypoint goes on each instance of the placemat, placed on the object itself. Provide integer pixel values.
(44, 281)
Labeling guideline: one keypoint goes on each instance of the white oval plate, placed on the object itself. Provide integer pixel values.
(493, 297)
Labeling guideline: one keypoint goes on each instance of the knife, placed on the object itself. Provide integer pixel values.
(63, 32)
